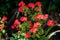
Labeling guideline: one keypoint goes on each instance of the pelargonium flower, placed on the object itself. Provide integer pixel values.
(39, 16)
(13, 26)
(1, 26)
(51, 23)
(37, 24)
(31, 5)
(23, 19)
(27, 35)
(20, 9)
(33, 30)
(4, 18)
(16, 22)
(21, 3)
(38, 4)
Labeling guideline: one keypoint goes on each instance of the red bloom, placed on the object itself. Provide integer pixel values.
(33, 30)
(1, 26)
(16, 22)
(21, 3)
(27, 35)
(23, 19)
(31, 5)
(46, 16)
(39, 16)
(38, 4)
(37, 24)
(30, 25)
(4, 18)
(51, 23)
(20, 9)
(13, 26)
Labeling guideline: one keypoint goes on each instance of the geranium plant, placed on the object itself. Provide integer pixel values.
(29, 24)
(3, 27)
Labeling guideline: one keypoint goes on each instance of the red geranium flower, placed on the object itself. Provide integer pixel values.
(37, 24)
(20, 9)
(23, 19)
(31, 5)
(1, 26)
(13, 26)
(4, 18)
(27, 35)
(39, 16)
(16, 22)
(33, 30)
(51, 23)
(21, 3)
(38, 4)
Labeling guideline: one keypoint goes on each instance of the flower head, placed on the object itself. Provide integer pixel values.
(4, 18)
(23, 19)
(37, 24)
(38, 4)
(39, 16)
(31, 5)
(27, 35)
(21, 3)
(51, 23)
(20, 9)
(16, 22)
(1, 26)
(33, 30)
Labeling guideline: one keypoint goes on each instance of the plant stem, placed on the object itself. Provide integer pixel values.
(48, 31)
(51, 34)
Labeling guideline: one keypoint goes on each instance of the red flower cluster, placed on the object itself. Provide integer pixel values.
(1, 26)
(35, 26)
(38, 4)
(4, 18)
(33, 30)
(21, 9)
(27, 35)
(21, 3)
(16, 22)
(23, 19)
(30, 5)
(41, 16)
(51, 23)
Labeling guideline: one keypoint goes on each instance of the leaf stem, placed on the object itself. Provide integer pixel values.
(51, 34)
(48, 31)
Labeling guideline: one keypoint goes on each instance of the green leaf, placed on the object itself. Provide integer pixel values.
(40, 31)
(15, 36)
(0, 35)
(12, 38)
(43, 38)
